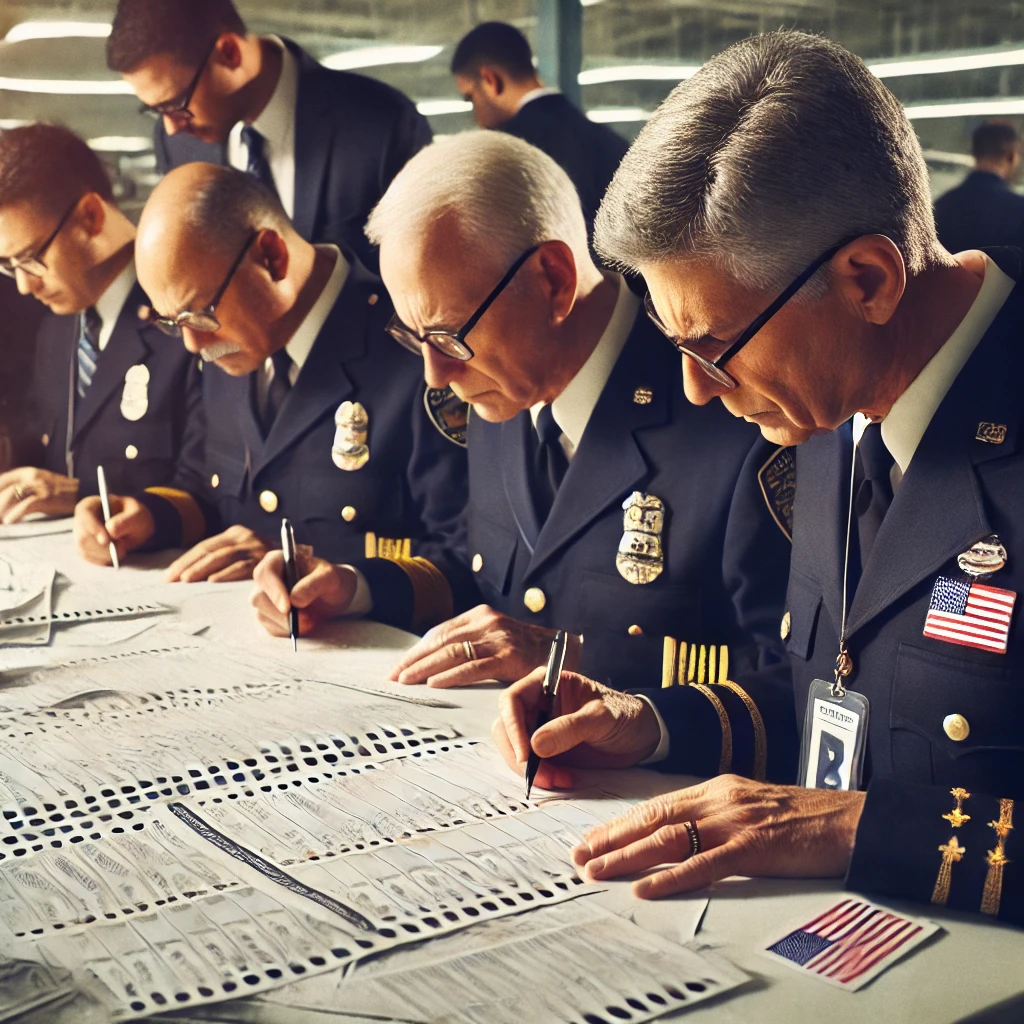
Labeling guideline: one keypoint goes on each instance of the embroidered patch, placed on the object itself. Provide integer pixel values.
(448, 413)
(778, 485)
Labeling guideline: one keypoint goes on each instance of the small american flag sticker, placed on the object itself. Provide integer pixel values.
(970, 614)
(850, 943)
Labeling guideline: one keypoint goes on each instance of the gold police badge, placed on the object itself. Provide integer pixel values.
(641, 556)
(352, 425)
(135, 396)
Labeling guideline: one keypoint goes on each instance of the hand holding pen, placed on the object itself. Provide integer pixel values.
(291, 577)
(552, 676)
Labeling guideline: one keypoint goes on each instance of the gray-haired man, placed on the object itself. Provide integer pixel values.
(778, 206)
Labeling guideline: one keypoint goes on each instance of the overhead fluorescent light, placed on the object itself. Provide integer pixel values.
(121, 144)
(6, 123)
(940, 156)
(431, 108)
(618, 115)
(966, 108)
(638, 73)
(67, 86)
(58, 30)
(952, 62)
(376, 56)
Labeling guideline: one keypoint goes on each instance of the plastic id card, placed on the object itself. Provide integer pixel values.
(835, 730)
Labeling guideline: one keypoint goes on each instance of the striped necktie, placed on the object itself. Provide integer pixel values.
(256, 162)
(88, 348)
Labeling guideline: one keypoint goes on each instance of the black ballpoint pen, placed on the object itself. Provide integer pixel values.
(547, 703)
(291, 577)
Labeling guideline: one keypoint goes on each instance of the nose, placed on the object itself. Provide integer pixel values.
(699, 386)
(173, 125)
(438, 370)
(192, 340)
(28, 284)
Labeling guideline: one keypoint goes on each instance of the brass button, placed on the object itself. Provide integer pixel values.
(131, 452)
(635, 631)
(478, 562)
(956, 727)
(215, 480)
(268, 501)
(46, 440)
(373, 299)
(535, 599)
(348, 513)
(787, 625)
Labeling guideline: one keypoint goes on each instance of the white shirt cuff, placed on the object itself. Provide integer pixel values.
(362, 599)
(661, 750)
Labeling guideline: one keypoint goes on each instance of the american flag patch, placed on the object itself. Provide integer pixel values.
(851, 943)
(970, 614)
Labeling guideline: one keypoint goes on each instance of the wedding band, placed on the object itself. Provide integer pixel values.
(691, 831)
(19, 494)
(467, 649)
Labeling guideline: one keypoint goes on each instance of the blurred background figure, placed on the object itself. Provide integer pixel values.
(983, 210)
(494, 70)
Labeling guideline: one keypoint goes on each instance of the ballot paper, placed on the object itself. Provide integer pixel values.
(26, 602)
(36, 527)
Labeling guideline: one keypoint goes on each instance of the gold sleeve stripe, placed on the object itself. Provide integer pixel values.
(725, 761)
(669, 660)
(760, 765)
(992, 894)
(193, 522)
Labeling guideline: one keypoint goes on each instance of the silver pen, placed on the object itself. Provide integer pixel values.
(101, 481)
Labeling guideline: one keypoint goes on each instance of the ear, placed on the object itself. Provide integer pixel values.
(92, 214)
(870, 276)
(272, 251)
(558, 278)
(492, 81)
(228, 51)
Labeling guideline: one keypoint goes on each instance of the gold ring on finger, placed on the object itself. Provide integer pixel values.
(19, 494)
(694, 837)
(467, 649)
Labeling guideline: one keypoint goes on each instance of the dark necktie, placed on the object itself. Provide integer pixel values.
(872, 485)
(256, 162)
(548, 463)
(280, 385)
(88, 348)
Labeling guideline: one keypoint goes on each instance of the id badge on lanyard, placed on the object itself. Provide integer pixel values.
(836, 723)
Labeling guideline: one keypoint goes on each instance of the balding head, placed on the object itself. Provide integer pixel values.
(199, 220)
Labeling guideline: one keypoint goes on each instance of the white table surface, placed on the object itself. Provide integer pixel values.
(973, 967)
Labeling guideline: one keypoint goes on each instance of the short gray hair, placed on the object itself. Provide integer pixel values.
(776, 149)
(505, 194)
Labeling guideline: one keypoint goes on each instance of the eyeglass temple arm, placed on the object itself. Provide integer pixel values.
(498, 289)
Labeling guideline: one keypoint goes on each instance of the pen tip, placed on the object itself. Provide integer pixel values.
(295, 644)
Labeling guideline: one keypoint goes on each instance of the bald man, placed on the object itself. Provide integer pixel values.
(310, 411)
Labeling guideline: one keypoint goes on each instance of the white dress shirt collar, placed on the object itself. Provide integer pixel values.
(111, 302)
(908, 419)
(536, 94)
(572, 409)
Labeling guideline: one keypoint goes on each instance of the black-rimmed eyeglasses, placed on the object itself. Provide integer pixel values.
(178, 106)
(204, 319)
(715, 353)
(32, 263)
(452, 344)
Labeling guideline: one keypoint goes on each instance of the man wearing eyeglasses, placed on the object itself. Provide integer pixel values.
(328, 142)
(105, 389)
(309, 410)
(600, 501)
(778, 206)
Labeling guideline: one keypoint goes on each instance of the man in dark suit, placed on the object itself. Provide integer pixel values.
(309, 412)
(328, 142)
(898, 372)
(106, 389)
(493, 69)
(983, 210)
(645, 528)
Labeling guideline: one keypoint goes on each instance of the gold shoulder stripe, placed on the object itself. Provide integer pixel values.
(193, 522)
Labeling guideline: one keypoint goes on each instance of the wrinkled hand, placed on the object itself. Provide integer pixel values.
(130, 526)
(745, 827)
(231, 555)
(595, 727)
(27, 490)
(504, 649)
(324, 591)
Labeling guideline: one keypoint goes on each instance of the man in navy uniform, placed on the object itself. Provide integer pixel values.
(983, 210)
(328, 142)
(494, 70)
(600, 500)
(106, 389)
(310, 412)
(841, 319)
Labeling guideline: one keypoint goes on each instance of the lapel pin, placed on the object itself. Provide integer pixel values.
(643, 396)
(641, 556)
(352, 425)
(991, 433)
(984, 558)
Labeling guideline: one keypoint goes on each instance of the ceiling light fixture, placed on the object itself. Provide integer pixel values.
(377, 56)
(68, 86)
(57, 30)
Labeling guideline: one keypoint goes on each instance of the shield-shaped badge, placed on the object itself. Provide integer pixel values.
(135, 396)
(352, 425)
(448, 412)
(641, 557)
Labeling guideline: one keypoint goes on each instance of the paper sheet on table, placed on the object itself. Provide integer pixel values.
(22, 583)
(28, 624)
(36, 528)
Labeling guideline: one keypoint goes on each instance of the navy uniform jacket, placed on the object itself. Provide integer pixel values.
(588, 152)
(981, 211)
(725, 558)
(353, 134)
(412, 489)
(957, 490)
(134, 453)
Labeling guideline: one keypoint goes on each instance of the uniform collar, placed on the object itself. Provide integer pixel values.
(301, 342)
(111, 302)
(573, 407)
(908, 419)
(536, 94)
(276, 121)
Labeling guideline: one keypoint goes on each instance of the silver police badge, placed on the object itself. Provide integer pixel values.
(984, 558)
(135, 396)
(641, 557)
(352, 425)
